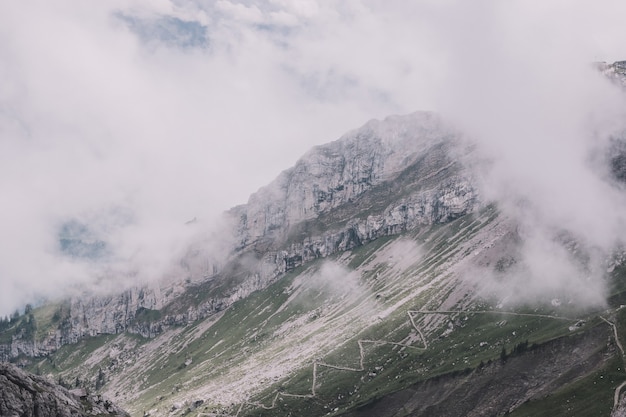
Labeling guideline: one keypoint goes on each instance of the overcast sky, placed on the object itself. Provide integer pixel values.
(136, 116)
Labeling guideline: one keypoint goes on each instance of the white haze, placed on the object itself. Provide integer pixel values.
(526, 91)
(112, 115)
(335, 280)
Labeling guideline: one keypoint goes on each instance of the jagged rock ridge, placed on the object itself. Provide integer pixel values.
(26, 395)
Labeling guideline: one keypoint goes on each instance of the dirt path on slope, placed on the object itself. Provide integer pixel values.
(411, 314)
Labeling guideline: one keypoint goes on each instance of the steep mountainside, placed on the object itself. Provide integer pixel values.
(338, 173)
(359, 283)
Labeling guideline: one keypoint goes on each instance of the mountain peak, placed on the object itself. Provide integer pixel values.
(331, 175)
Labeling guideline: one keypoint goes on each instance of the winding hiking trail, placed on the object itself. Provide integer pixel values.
(361, 342)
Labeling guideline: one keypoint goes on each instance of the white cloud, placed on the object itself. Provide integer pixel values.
(282, 18)
(525, 90)
(301, 8)
(249, 14)
(528, 93)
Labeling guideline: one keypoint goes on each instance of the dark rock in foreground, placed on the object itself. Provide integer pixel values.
(26, 395)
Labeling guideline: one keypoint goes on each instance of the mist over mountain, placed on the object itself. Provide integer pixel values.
(460, 253)
(133, 118)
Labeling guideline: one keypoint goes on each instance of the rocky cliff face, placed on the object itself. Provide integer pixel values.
(385, 178)
(26, 395)
(336, 174)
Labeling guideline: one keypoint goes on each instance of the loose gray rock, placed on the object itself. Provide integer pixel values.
(23, 394)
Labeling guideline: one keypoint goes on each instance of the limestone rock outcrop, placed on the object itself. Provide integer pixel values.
(25, 395)
(337, 174)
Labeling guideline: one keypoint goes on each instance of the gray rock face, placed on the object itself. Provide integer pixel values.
(26, 395)
(336, 174)
(385, 178)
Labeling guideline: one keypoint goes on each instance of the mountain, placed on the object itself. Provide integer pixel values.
(374, 182)
(373, 278)
(24, 394)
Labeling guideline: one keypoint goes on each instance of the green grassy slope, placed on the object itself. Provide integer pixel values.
(339, 333)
